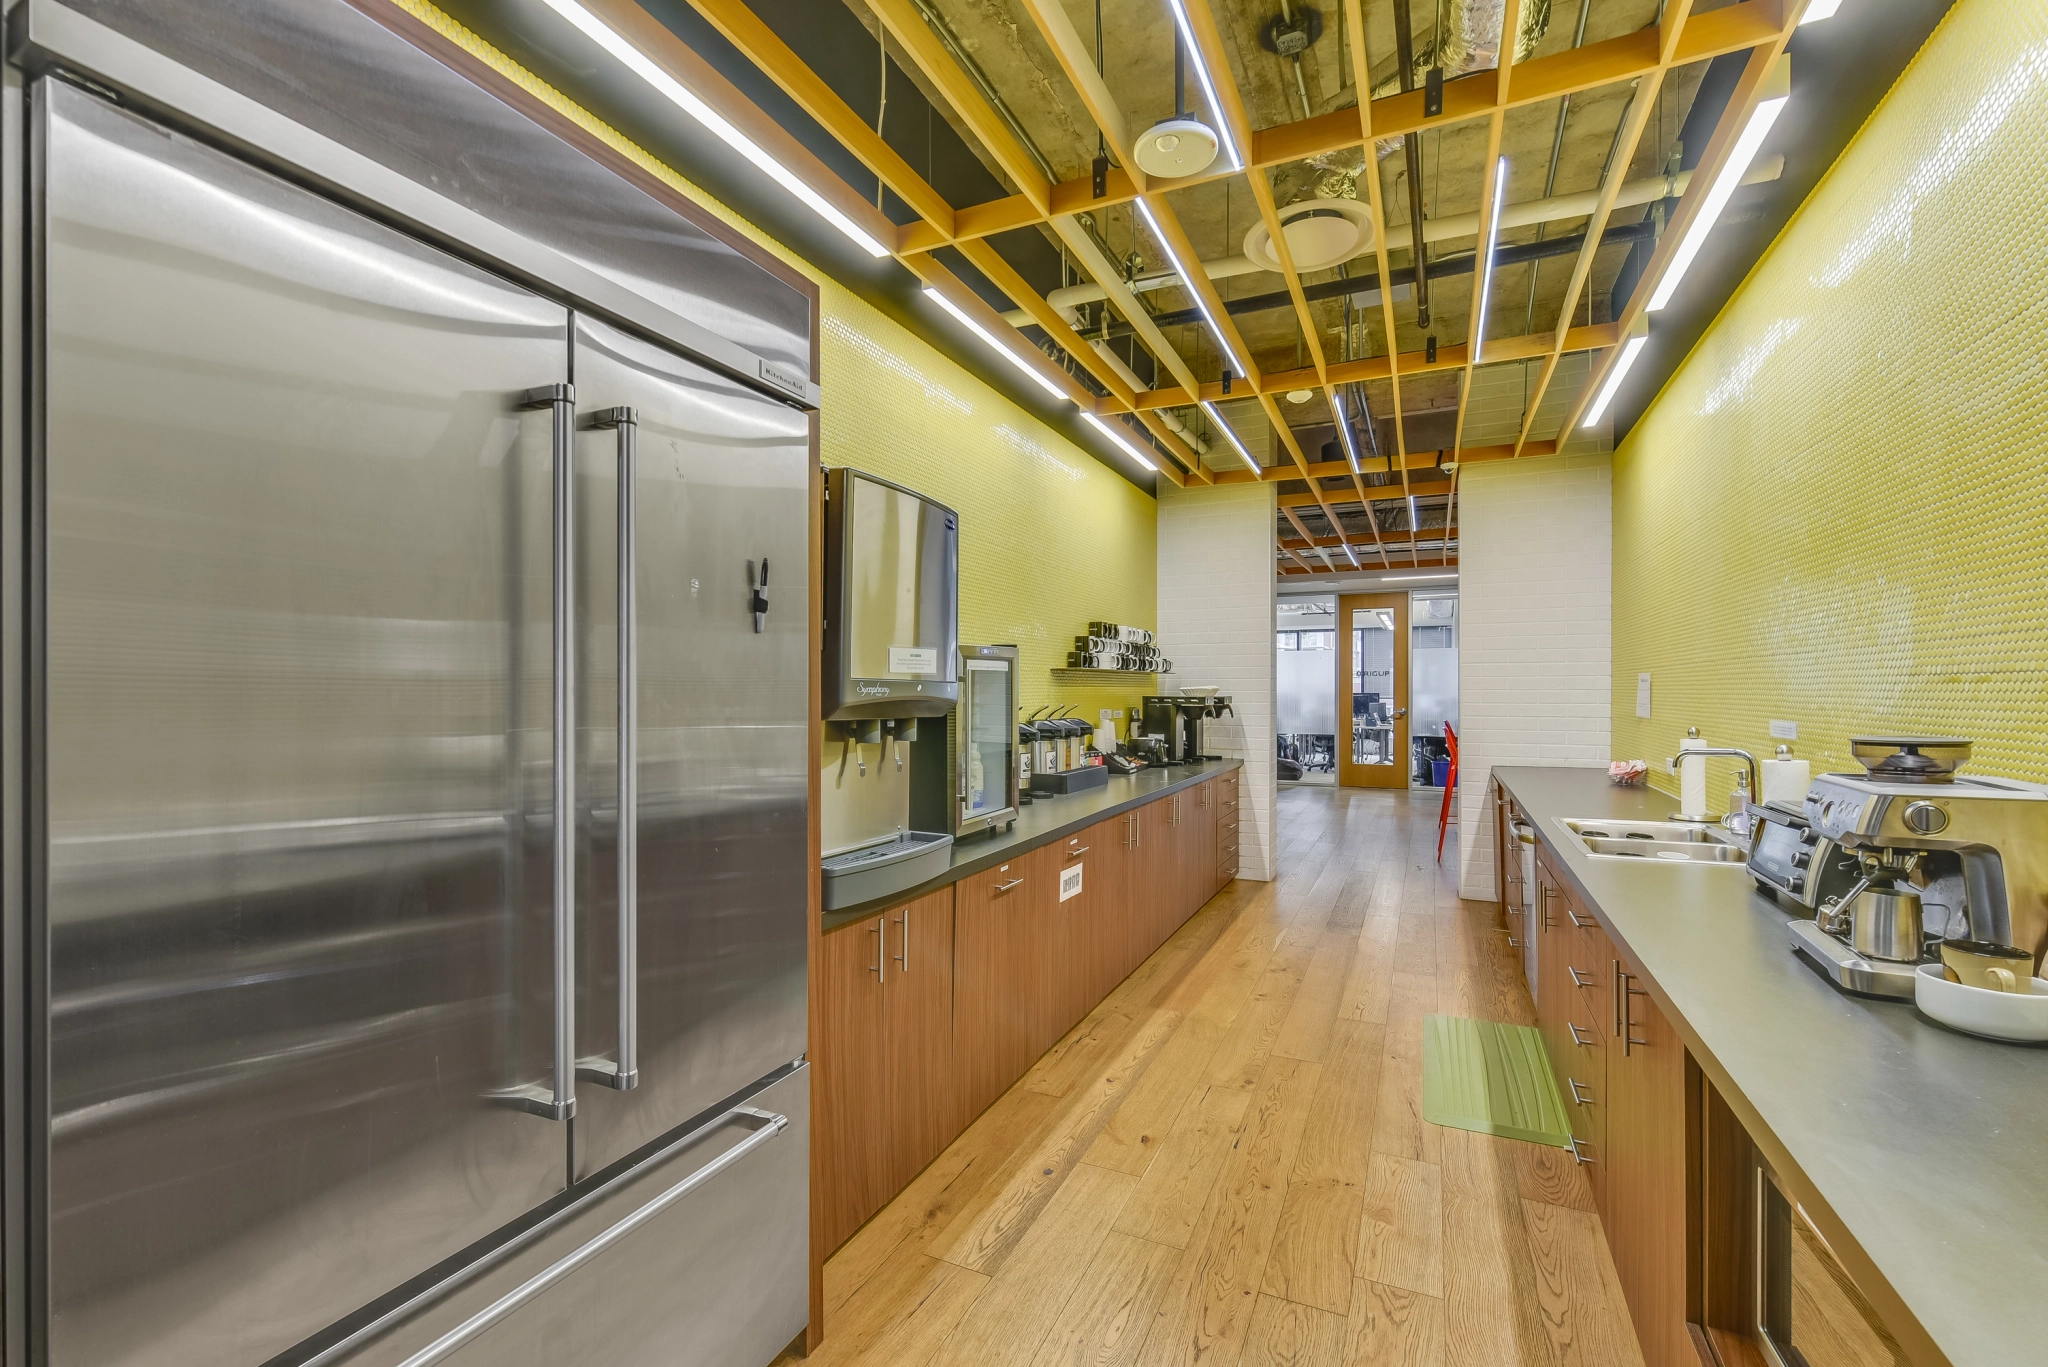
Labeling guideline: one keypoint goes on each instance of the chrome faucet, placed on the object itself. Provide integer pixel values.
(1721, 752)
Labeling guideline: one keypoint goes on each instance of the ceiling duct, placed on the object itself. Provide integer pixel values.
(1257, 251)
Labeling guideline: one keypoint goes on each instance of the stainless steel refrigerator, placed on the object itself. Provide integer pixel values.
(402, 987)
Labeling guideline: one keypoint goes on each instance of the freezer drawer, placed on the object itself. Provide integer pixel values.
(695, 1258)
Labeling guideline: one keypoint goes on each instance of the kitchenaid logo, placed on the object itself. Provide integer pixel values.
(869, 690)
(786, 380)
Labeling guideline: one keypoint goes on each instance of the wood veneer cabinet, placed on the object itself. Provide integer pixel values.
(1225, 801)
(1630, 1093)
(886, 1103)
(930, 1011)
(1002, 975)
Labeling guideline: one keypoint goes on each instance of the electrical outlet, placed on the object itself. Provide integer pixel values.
(1643, 694)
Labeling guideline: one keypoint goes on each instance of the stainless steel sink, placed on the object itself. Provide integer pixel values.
(1709, 852)
(1674, 841)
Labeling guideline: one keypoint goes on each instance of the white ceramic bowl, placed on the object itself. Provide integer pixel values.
(2019, 1016)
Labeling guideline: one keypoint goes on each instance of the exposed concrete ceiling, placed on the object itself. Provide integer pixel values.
(1007, 49)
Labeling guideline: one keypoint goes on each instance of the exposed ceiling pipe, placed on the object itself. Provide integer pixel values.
(957, 50)
(1564, 109)
(1130, 377)
(1548, 210)
(1439, 269)
(1411, 148)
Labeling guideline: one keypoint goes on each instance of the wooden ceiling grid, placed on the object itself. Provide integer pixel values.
(1760, 27)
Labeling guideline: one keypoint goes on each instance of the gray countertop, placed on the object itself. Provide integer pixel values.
(1919, 1152)
(1045, 820)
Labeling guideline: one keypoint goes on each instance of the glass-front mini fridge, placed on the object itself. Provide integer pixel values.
(985, 739)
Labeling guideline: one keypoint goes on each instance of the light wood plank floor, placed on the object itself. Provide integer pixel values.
(1226, 1162)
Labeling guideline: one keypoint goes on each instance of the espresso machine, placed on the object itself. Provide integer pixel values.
(1177, 719)
(1932, 855)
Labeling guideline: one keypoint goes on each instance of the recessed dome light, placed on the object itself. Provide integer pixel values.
(1176, 147)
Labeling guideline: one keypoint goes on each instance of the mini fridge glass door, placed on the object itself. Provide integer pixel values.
(987, 737)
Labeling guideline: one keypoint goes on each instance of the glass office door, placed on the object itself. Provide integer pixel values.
(1372, 672)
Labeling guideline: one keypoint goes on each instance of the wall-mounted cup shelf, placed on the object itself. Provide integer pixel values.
(1079, 674)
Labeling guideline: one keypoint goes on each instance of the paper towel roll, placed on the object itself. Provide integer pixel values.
(1786, 780)
(1692, 780)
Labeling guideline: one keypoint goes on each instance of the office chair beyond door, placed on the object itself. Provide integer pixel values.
(1443, 819)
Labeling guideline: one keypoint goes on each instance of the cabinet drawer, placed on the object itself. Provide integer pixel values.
(696, 1258)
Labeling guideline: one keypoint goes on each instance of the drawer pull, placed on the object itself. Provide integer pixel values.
(1578, 979)
(771, 1126)
(1573, 1026)
(1083, 850)
(1013, 883)
(1571, 912)
(1577, 1156)
(1573, 1083)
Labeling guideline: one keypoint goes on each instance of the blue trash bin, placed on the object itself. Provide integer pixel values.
(1440, 772)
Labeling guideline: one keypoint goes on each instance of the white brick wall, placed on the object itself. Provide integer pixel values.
(1216, 596)
(1535, 584)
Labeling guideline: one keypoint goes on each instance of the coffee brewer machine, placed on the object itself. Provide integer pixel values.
(1938, 856)
(1178, 720)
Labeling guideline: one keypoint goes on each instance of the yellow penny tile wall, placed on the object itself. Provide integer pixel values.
(1836, 512)
(1049, 537)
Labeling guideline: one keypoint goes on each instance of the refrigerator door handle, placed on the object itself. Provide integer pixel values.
(771, 1124)
(625, 1074)
(559, 1101)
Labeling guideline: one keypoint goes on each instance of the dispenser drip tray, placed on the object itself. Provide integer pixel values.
(873, 871)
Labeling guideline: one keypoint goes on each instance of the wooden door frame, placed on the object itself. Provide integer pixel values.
(1351, 775)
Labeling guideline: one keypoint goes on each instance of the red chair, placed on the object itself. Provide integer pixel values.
(1443, 819)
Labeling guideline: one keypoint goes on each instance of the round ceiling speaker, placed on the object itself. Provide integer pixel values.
(1176, 147)
(1321, 233)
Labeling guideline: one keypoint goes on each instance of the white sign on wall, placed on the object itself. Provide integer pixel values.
(1070, 882)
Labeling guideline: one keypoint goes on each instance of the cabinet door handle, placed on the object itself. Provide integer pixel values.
(903, 942)
(1573, 1026)
(1573, 1083)
(881, 949)
(1013, 883)
(1617, 980)
(1513, 943)
(1083, 850)
(1578, 979)
(1628, 1019)
(1543, 905)
(1577, 1156)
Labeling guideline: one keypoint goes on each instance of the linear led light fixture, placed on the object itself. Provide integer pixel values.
(1777, 88)
(1344, 431)
(1129, 449)
(1008, 354)
(716, 123)
(1224, 427)
(1500, 188)
(1188, 283)
(1187, 36)
(1819, 10)
(1412, 578)
(1632, 348)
